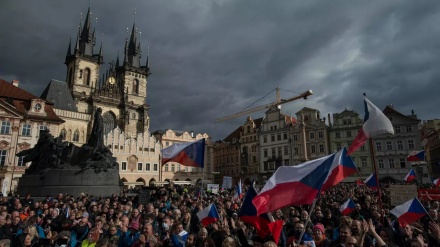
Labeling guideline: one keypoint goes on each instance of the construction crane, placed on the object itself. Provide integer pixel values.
(277, 102)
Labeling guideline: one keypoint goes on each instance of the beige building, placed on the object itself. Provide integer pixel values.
(342, 131)
(274, 141)
(22, 116)
(309, 136)
(430, 135)
(179, 173)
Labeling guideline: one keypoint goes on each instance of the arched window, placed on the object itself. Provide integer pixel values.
(86, 77)
(135, 86)
(76, 136)
(63, 134)
(109, 122)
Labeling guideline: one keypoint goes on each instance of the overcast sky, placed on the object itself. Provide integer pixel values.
(214, 58)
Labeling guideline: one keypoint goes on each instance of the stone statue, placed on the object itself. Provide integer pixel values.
(45, 154)
(96, 139)
(101, 160)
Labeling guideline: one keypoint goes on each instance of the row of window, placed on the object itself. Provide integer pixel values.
(391, 163)
(4, 155)
(278, 151)
(389, 145)
(140, 166)
(26, 128)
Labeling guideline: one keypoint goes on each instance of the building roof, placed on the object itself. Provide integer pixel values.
(389, 110)
(234, 135)
(21, 100)
(7, 90)
(58, 93)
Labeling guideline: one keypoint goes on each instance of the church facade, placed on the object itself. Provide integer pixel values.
(121, 93)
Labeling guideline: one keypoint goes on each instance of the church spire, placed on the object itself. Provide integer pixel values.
(69, 49)
(133, 53)
(117, 61)
(87, 38)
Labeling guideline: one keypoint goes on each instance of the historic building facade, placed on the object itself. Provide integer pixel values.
(391, 151)
(274, 141)
(309, 136)
(22, 116)
(227, 157)
(342, 131)
(249, 153)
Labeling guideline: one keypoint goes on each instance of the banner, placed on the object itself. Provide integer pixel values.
(227, 183)
(213, 188)
(402, 193)
(429, 194)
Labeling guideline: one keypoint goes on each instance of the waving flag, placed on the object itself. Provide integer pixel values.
(263, 223)
(342, 167)
(416, 156)
(238, 191)
(298, 185)
(371, 182)
(409, 212)
(375, 123)
(208, 215)
(348, 207)
(410, 176)
(186, 153)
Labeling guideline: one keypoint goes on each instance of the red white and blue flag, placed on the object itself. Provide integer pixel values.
(263, 223)
(375, 123)
(416, 156)
(300, 184)
(238, 191)
(409, 212)
(371, 182)
(410, 176)
(208, 215)
(185, 153)
(348, 207)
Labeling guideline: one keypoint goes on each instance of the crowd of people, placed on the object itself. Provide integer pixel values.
(169, 218)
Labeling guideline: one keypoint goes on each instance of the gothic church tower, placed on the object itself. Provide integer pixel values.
(122, 90)
(83, 66)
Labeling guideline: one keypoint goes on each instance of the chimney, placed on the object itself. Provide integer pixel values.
(15, 82)
(329, 120)
(192, 134)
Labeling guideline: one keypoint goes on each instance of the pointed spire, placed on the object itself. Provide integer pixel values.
(88, 39)
(69, 49)
(133, 51)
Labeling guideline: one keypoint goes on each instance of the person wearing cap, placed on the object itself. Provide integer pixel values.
(129, 235)
(319, 237)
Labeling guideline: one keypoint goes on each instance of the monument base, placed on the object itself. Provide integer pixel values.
(72, 181)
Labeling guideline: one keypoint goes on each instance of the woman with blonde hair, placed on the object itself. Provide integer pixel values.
(230, 242)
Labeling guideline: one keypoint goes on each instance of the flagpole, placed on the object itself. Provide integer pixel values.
(379, 193)
(312, 209)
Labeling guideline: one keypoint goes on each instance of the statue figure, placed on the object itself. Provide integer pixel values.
(96, 139)
(45, 154)
(101, 160)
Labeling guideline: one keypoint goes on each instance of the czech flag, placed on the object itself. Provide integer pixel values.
(238, 191)
(263, 223)
(348, 207)
(185, 153)
(371, 182)
(409, 212)
(410, 176)
(208, 215)
(375, 123)
(416, 156)
(300, 184)
(342, 167)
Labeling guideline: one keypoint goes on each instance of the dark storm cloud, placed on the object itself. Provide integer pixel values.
(214, 58)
